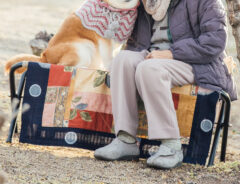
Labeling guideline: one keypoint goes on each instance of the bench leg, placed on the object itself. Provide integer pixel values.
(223, 123)
(225, 127)
(17, 96)
(216, 137)
(214, 146)
(11, 129)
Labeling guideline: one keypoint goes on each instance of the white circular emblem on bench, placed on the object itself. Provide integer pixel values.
(71, 137)
(35, 90)
(206, 125)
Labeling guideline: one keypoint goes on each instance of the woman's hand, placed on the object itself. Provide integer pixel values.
(160, 54)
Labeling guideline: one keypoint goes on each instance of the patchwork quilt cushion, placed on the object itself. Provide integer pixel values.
(72, 107)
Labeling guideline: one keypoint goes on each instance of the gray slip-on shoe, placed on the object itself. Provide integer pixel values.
(117, 150)
(166, 158)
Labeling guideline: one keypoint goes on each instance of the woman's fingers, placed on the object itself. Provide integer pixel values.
(149, 56)
(164, 54)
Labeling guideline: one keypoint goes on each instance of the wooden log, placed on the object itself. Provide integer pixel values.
(233, 7)
(40, 42)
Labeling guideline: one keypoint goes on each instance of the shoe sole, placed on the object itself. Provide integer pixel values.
(125, 158)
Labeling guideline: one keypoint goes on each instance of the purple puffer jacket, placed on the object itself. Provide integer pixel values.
(198, 30)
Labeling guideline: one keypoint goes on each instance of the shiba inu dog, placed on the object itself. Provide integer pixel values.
(86, 37)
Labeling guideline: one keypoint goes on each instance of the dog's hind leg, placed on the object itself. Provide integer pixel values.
(63, 54)
(69, 59)
(80, 53)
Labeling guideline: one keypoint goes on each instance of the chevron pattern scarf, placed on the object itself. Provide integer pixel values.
(108, 22)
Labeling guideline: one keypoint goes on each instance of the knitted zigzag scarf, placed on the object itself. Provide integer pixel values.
(108, 22)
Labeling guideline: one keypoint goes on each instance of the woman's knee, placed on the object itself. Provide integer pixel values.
(127, 59)
(143, 71)
(149, 71)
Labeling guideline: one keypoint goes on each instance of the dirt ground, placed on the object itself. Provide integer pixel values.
(23, 164)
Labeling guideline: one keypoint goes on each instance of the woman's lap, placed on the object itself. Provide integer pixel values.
(153, 79)
(180, 73)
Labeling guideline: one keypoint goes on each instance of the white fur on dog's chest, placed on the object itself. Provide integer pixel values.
(85, 51)
(94, 56)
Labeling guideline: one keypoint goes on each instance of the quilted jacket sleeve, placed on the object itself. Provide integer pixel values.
(213, 35)
(141, 36)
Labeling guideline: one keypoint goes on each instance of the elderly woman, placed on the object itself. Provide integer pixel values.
(174, 43)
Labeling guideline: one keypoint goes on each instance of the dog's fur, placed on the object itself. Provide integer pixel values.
(74, 45)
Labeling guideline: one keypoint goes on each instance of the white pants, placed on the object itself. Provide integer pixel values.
(153, 79)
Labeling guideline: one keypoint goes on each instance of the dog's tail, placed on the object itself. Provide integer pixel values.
(21, 58)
